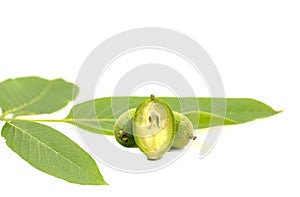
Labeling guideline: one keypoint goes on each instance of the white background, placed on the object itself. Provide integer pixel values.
(255, 45)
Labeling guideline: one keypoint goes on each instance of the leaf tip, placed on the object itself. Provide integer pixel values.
(101, 181)
(279, 111)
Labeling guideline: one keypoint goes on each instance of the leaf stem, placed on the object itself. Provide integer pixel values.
(66, 120)
(37, 120)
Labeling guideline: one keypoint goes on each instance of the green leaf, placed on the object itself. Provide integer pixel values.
(202, 120)
(51, 152)
(97, 115)
(34, 95)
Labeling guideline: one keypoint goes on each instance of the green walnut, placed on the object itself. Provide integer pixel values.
(123, 129)
(184, 130)
(154, 127)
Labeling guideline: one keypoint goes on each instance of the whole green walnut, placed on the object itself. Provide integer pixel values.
(123, 129)
(184, 130)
